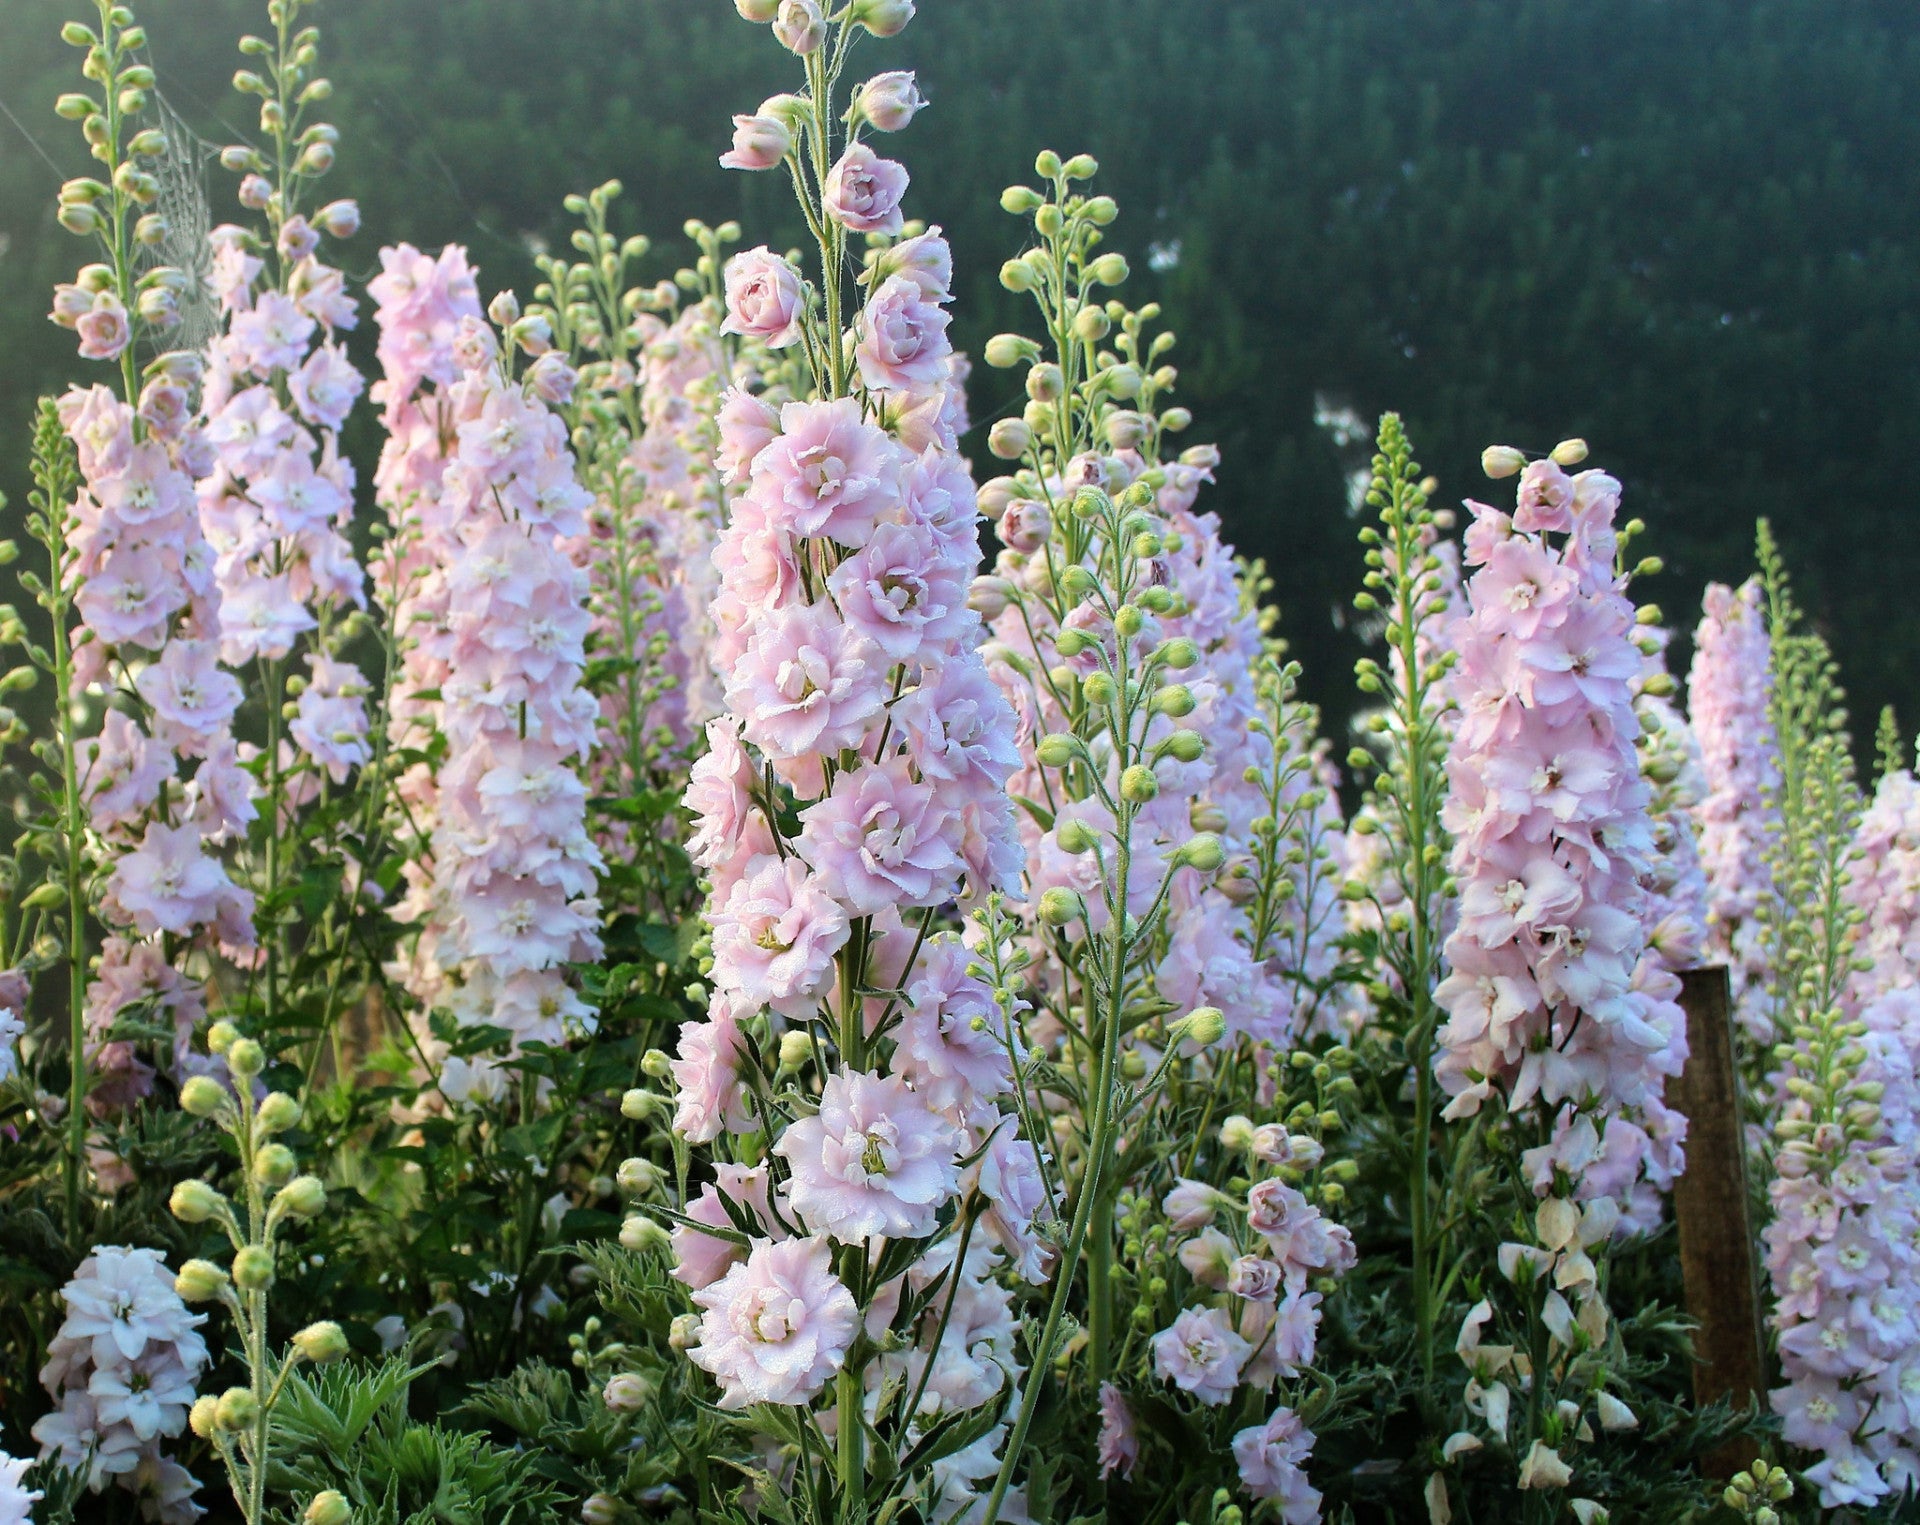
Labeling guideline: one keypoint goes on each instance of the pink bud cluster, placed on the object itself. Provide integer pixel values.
(1550, 816)
(1255, 1321)
(1727, 698)
(1842, 1248)
(278, 391)
(507, 886)
(858, 709)
(123, 1367)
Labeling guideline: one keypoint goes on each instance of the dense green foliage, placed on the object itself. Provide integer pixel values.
(1686, 231)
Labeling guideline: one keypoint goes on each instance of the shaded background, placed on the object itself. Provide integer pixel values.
(1687, 231)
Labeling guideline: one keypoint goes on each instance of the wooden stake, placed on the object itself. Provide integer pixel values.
(1710, 1207)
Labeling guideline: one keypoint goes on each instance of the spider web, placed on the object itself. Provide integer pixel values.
(182, 172)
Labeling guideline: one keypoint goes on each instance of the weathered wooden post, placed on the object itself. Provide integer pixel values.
(1710, 1207)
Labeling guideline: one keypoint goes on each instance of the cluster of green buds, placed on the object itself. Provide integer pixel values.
(119, 207)
(238, 1422)
(1754, 1492)
(286, 81)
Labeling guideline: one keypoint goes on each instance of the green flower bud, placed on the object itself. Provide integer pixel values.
(637, 1105)
(1570, 452)
(1004, 351)
(1099, 689)
(220, 1037)
(328, 1508)
(1074, 836)
(1109, 269)
(202, 1096)
(1019, 200)
(302, 1197)
(235, 1409)
(274, 1165)
(796, 1049)
(245, 1058)
(321, 1342)
(1060, 906)
(200, 1281)
(1138, 785)
(637, 1177)
(194, 1201)
(1057, 749)
(1188, 746)
(655, 1064)
(203, 1417)
(1018, 276)
(1009, 438)
(684, 1331)
(1501, 461)
(1201, 851)
(1180, 653)
(1176, 699)
(253, 1268)
(1204, 1025)
(640, 1234)
(278, 1112)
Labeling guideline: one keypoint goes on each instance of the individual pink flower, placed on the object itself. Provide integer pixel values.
(759, 142)
(880, 839)
(1201, 1354)
(800, 26)
(747, 426)
(890, 100)
(103, 328)
(765, 299)
(775, 936)
(806, 684)
(192, 697)
(903, 590)
(168, 883)
(707, 1076)
(829, 474)
(776, 1328)
(702, 1259)
(903, 342)
(874, 1161)
(863, 191)
(951, 1042)
(1272, 1459)
(1119, 1444)
(719, 793)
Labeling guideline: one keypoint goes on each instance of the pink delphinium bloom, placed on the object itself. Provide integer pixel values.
(1119, 1445)
(775, 937)
(880, 839)
(707, 1075)
(903, 342)
(1272, 1458)
(702, 1259)
(1201, 1354)
(863, 191)
(777, 1327)
(807, 683)
(1727, 697)
(828, 473)
(874, 1161)
(952, 1041)
(765, 299)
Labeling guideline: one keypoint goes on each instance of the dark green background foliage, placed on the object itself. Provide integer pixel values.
(1687, 231)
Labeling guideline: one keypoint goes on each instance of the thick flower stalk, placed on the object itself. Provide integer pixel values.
(1727, 702)
(239, 1422)
(853, 1071)
(131, 593)
(1176, 807)
(506, 885)
(122, 1368)
(1553, 831)
(653, 365)
(1839, 1245)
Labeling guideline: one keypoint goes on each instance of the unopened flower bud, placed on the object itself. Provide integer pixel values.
(1058, 907)
(1501, 461)
(200, 1281)
(757, 10)
(1004, 351)
(1138, 785)
(194, 1201)
(655, 1064)
(321, 1342)
(800, 26)
(1201, 851)
(1074, 836)
(637, 1177)
(1236, 1133)
(274, 1165)
(1009, 438)
(253, 1268)
(204, 1417)
(883, 18)
(684, 1331)
(626, 1391)
(235, 1409)
(1109, 269)
(889, 101)
(328, 1508)
(1017, 275)
(1204, 1026)
(1056, 749)
(796, 1049)
(1187, 746)
(640, 1233)
(302, 1197)
(989, 596)
(1570, 452)
(1180, 653)
(245, 1058)
(202, 1096)
(600, 1509)
(278, 1112)
(637, 1105)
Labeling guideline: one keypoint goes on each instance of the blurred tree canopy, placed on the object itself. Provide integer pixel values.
(1687, 231)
